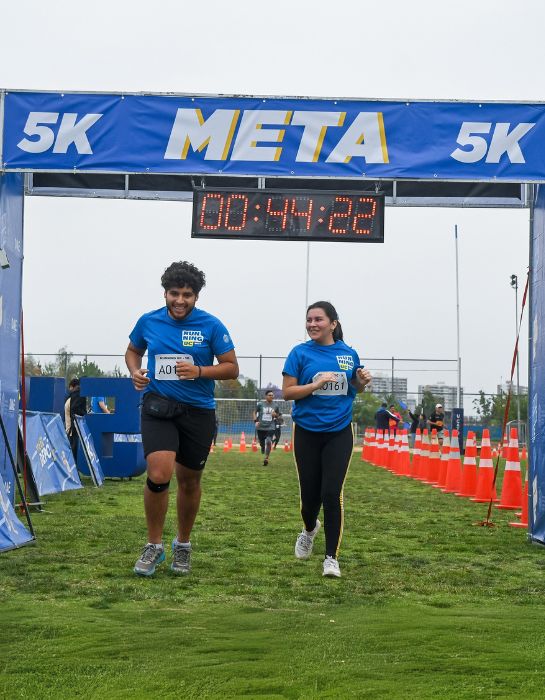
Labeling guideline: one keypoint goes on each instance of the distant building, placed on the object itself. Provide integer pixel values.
(447, 394)
(382, 385)
(504, 388)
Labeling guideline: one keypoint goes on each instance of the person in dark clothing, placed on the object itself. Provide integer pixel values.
(77, 407)
(383, 417)
(418, 420)
(437, 421)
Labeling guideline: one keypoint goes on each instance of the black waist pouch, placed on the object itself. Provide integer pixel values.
(158, 406)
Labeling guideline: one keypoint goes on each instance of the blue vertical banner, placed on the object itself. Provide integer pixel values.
(536, 399)
(458, 424)
(11, 269)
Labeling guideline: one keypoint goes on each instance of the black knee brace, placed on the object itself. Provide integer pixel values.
(156, 488)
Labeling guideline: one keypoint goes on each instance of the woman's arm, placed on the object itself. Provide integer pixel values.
(291, 391)
(362, 379)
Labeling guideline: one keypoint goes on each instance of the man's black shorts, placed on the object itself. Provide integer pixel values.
(177, 427)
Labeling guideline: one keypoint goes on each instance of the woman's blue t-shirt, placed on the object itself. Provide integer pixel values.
(328, 409)
(198, 338)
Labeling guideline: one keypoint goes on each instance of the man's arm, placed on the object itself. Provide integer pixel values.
(133, 360)
(103, 407)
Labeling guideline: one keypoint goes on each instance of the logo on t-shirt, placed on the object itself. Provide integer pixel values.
(346, 362)
(191, 338)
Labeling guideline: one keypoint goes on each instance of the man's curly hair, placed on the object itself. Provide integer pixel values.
(183, 274)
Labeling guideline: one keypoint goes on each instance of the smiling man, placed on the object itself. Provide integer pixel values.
(178, 407)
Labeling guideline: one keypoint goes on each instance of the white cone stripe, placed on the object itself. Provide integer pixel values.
(512, 467)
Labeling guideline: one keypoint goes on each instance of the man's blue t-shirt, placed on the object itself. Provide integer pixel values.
(198, 338)
(330, 408)
(95, 400)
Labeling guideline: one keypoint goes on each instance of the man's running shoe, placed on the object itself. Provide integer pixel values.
(305, 542)
(331, 567)
(152, 555)
(265, 462)
(181, 558)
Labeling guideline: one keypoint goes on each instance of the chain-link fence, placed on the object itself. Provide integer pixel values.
(408, 383)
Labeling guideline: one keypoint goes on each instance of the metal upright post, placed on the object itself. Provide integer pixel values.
(459, 387)
(306, 287)
(515, 285)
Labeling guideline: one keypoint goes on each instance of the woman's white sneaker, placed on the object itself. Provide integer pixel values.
(305, 542)
(331, 567)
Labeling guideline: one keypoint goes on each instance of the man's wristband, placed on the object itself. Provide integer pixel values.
(200, 372)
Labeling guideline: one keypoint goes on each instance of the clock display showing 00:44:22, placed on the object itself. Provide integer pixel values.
(288, 215)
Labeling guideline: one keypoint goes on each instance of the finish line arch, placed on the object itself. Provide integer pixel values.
(164, 146)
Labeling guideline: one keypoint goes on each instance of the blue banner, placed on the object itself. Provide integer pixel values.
(536, 398)
(89, 452)
(11, 267)
(12, 532)
(50, 455)
(273, 136)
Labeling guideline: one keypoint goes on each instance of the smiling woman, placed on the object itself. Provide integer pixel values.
(322, 376)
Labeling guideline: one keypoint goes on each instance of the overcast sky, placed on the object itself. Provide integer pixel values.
(93, 266)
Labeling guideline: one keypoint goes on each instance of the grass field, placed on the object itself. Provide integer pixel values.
(429, 606)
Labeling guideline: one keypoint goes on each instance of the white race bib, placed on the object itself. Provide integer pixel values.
(266, 418)
(337, 387)
(165, 366)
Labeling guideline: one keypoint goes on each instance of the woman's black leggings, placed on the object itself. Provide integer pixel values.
(322, 461)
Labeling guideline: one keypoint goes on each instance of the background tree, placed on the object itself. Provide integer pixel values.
(364, 408)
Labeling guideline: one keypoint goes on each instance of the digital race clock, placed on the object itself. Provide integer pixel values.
(288, 215)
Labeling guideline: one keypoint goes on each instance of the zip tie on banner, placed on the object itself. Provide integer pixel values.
(487, 522)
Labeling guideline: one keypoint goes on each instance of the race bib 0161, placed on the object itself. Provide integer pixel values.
(165, 366)
(337, 387)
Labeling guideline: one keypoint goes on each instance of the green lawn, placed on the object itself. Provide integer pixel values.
(429, 605)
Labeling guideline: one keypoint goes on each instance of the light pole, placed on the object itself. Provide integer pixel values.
(515, 285)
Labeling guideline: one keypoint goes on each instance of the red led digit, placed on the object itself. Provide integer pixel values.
(242, 212)
(362, 215)
(205, 213)
(283, 214)
(307, 214)
(340, 215)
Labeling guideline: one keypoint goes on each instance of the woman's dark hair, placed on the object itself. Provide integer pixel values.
(332, 315)
(183, 274)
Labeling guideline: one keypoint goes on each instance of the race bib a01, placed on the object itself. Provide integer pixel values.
(336, 387)
(165, 366)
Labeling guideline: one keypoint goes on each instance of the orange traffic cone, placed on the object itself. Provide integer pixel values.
(443, 467)
(226, 447)
(372, 447)
(242, 444)
(454, 468)
(505, 445)
(511, 492)
(524, 454)
(394, 463)
(381, 447)
(389, 451)
(486, 489)
(365, 448)
(432, 476)
(416, 452)
(404, 465)
(287, 447)
(469, 471)
(422, 472)
(254, 445)
(523, 522)
(230, 443)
